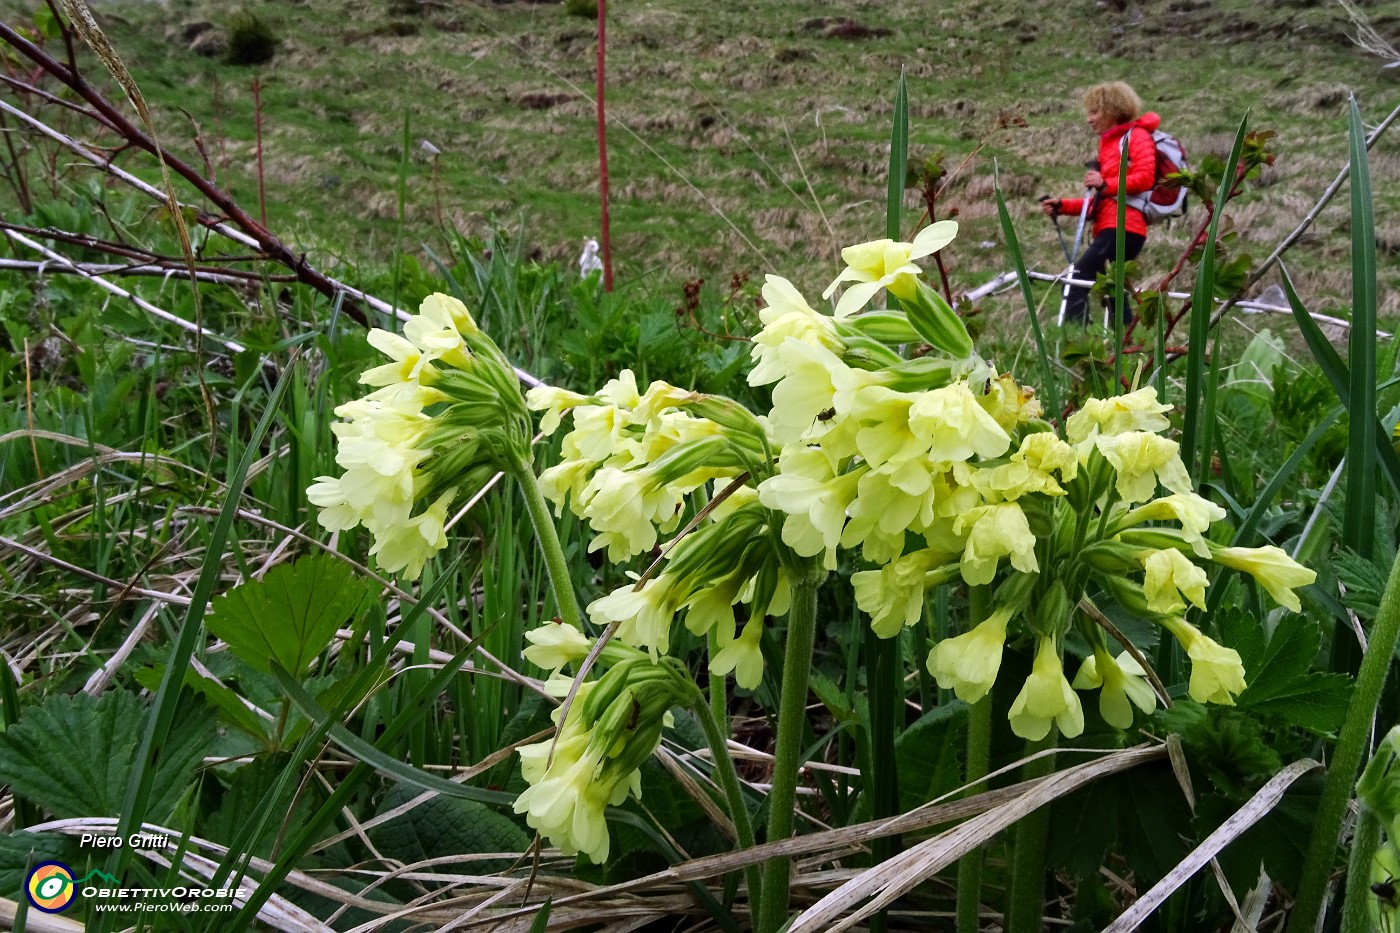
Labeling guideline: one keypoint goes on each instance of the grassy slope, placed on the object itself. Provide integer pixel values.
(743, 138)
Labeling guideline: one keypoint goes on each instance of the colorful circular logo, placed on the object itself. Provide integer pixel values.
(50, 887)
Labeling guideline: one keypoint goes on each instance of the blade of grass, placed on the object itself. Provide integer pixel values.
(1013, 248)
(1339, 376)
(1359, 520)
(1202, 302)
(167, 697)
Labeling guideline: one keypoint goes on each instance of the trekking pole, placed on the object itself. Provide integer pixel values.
(1078, 234)
(1054, 219)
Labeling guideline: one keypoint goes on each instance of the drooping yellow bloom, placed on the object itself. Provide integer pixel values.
(625, 510)
(1142, 460)
(1272, 567)
(1196, 515)
(956, 426)
(787, 316)
(1169, 573)
(1217, 674)
(741, 655)
(968, 664)
(1046, 698)
(893, 596)
(645, 615)
(553, 402)
(998, 530)
(887, 264)
(1121, 414)
(566, 802)
(1124, 684)
(554, 645)
(814, 498)
(407, 546)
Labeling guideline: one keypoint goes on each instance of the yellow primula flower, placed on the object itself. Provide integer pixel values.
(968, 664)
(787, 316)
(997, 531)
(1169, 573)
(553, 401)
(893, 596)
(1124, 684)
(956, 426)
(1010, 403)
(554, 645)
(1121, 414)
(1142, 460)
(1046, 698)
(407, 546)
(1195, 513)
(887, 264)
(1217, 674)
(741, 655)
(644, 615)
(1279, 573)
(625, 509)
(814, 498)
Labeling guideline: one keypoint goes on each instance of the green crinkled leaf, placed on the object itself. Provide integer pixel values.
(245, 799)
(19, 851)
(72, 755)
(927, 755)
(446, 826)
(223, 698)
(290, 615)
(1281, 684)
(1139, 814)
(1364, 582)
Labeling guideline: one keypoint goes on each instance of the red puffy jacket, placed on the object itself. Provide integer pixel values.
(1142, 172)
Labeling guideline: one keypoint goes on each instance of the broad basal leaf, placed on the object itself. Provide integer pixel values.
(927, 755)
(1281, 683)
(290, 615)
(1364, 582)
(72, 755)
(444, 826)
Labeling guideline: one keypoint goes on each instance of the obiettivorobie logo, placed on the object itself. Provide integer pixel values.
(51, 887)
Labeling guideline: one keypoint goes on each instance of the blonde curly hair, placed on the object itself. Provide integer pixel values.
(1114, 98)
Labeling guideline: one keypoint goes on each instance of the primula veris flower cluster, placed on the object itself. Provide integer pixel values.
(612, 726)
(447, 411)
(924, 471)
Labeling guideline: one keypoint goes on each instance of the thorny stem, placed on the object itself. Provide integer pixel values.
(792, 719)
(1351, 747)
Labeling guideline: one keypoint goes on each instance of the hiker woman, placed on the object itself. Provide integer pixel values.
(1114, 111)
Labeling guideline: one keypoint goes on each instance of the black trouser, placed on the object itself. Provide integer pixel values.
(1097, 259)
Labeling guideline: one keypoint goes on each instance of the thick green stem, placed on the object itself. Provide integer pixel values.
(1346, 758)
(792, 721)
(979, 749)
(979, 745)
(1026, 895)
(717, 735)
(561, 582)
(1356, 906)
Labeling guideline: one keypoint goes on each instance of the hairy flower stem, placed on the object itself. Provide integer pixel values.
(1026, 894)
(560, 580)
(979, 743)
(1351, 747)
(979, 747)
(792, 720)
(1356, 903)
(717, 735)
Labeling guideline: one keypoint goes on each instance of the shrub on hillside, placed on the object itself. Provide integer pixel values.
(583, 8)
(251, 41)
